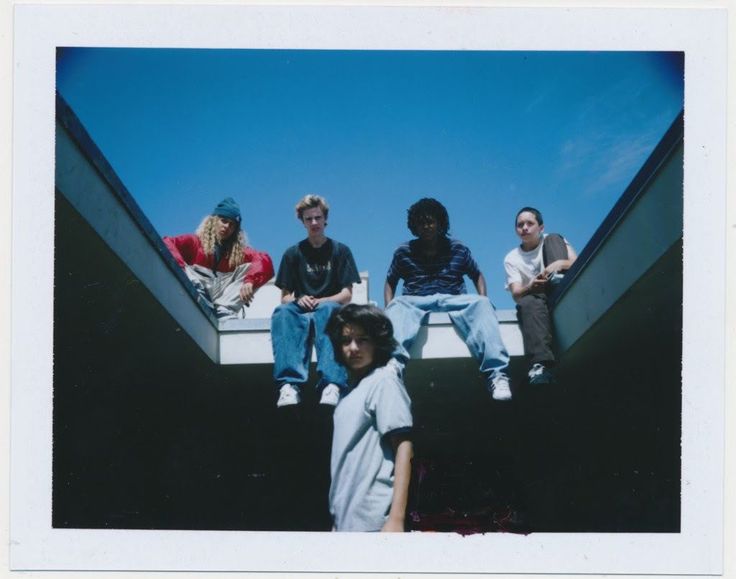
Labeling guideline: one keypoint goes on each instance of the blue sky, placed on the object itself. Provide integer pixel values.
(373, 131)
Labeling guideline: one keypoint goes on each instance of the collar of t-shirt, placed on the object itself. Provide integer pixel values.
(321, 254)
(420, 256)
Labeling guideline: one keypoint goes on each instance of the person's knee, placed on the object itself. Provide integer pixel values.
(399, 307)
(532, 304)
(554, 247)
(475, 302)
(399, 302)
(285, 310)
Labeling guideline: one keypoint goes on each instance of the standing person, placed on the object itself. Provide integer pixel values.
(371, 448)
(532, 270)
(217, 260)
(432, 267)
(316, 277)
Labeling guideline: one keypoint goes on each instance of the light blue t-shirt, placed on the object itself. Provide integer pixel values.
(362, 457)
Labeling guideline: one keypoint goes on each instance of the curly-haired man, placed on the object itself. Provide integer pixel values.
(433, 267)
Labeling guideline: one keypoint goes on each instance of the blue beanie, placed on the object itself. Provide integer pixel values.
(228, 208)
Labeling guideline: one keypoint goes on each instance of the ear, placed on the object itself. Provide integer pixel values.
(541, 229)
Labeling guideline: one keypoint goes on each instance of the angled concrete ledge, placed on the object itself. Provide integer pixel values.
(644, 225)
(89, 184)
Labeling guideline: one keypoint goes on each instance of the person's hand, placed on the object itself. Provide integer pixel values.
(307, 303)
(538, 284)
(393, 526)
(247, 292)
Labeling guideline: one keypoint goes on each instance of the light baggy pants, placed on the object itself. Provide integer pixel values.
(219, 290)
(473, 316)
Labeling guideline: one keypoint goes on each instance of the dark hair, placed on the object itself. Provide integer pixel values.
(373, 321)
(536, 213)
(428, 207)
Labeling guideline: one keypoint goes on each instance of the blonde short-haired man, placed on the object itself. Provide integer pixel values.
(316, 277)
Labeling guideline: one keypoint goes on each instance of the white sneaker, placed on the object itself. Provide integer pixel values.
(540, 374)
(330, 395)
(288, 396)
(500, 387)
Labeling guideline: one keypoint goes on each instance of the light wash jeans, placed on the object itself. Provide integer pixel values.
(292, 331)
(474, 317)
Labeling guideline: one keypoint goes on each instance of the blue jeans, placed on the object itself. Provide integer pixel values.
(473, 316)
(292, 330)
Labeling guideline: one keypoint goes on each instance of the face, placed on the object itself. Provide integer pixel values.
(427, 228)
(357, 348)
(224, 227)
(314, 221)
(527, 227)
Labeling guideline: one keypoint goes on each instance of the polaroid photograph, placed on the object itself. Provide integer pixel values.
(368, 289)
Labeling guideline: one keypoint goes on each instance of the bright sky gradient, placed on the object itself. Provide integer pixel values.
(373, 131)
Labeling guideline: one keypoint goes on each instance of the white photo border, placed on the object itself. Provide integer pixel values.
(699, 33)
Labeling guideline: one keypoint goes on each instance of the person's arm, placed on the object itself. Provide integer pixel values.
(309, 303)
(342, 297)
(403, 453)
(260, 270)
(287, 296)
(182, 248)
(388, 292)
(480, 285)
(537, 285)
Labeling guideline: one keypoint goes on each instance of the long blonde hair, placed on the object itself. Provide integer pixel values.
(234, 246)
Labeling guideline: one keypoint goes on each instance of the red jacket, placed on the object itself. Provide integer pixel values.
(187, 250)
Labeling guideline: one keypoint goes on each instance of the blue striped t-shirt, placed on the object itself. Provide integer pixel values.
(441, 274)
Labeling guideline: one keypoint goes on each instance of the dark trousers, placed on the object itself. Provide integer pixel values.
(535, 319)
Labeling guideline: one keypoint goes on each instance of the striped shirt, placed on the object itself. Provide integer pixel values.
(440, 274)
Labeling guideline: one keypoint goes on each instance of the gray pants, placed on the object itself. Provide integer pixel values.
(535, 319)
(219, 290)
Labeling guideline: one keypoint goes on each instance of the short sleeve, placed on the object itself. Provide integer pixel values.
(287, 272)
(393, 275)
(347, 269)
(390, 403)
(471, 267)
(513, 275)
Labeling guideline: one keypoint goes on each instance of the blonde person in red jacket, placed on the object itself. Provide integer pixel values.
(218, 261)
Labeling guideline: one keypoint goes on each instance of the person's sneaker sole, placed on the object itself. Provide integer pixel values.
(542, 379)
(501, 396)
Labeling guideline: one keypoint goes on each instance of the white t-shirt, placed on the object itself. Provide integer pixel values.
(362, 462)
(523, 266)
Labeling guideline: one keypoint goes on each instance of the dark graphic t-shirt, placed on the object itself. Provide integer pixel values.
(318, 272)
